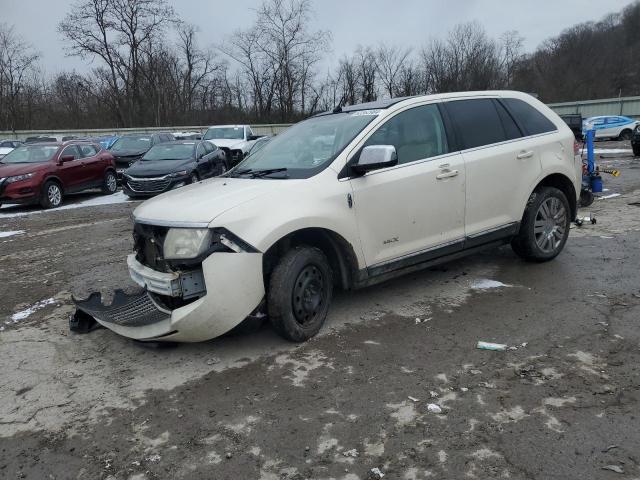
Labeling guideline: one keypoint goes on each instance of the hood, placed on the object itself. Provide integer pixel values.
(124, 154)
(145, 168)
(13, 169)
(204, 201)
(226, 143)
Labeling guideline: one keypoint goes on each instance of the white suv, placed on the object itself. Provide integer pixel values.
(346, 199)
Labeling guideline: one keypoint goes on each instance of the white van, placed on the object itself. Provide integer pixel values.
(346, 199)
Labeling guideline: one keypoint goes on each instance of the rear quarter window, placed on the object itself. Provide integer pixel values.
(531, 121)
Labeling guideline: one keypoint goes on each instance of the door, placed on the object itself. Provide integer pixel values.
(93, 164)
(500, 162)
(202, 161)
(417, 206)
(72, 173)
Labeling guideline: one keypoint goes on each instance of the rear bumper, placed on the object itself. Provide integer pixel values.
(234, 288)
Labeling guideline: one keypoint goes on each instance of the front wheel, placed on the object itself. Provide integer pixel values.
(545, 226)
(109, 183)
(626, 135)
(299, 293)
(194, 178)
(51, 196)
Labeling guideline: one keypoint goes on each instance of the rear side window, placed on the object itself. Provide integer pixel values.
(88, 150)
(478, 122)
(531, 120)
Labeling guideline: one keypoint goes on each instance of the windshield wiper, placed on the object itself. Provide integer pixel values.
(256, 173)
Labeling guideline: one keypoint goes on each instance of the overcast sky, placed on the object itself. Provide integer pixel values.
(351, 22)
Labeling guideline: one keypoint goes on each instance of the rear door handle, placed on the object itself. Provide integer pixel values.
(447, 174)
(525, 154)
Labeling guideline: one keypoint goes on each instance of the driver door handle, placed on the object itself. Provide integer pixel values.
(447, 174)
(525, 154)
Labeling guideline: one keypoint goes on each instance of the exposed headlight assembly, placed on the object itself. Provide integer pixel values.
(19, 178)
(190, 243)
(186, 243)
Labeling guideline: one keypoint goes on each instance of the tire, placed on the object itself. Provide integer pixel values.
(222, 169)
(51, 195)
(194, 178)
(586, 198)
(545, 226)
(299, 293)
(109, 183)
(626, 135)
(636, 151)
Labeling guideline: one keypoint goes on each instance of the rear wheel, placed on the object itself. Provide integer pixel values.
(626, 135)
(51, 196)
(299, 293)
(109, 183)
(545, 226)
(194, 178)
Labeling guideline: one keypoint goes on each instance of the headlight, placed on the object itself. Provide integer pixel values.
(19, 178)
(181, 173)
(186, 243)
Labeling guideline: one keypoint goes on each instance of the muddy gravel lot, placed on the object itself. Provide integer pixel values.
(393, 385)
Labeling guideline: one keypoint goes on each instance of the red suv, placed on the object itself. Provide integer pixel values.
(44, 172)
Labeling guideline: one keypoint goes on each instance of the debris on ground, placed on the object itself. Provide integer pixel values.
(434, 408)
(376, 473)
(351, 453)
(213, 361)
(433, 394)
(498, 347)
(613, 468)
(611, 195)
(413, 399)
(610, 447)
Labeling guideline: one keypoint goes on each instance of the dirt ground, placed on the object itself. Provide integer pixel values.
(394, 381)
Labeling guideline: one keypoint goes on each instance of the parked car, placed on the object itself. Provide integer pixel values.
(235, 140)
(7, 145)
(611, 127)
(45, 172)
(41, 139)
(187, 135)
(128, 149)
(409, 183)
(171, 165)
(574, 121)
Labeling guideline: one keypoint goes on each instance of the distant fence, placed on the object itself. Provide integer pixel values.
(627, 106)
(261, 129)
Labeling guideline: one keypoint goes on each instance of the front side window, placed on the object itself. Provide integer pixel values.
(478, 122)
(30, 154)
(71, 151)
(417, 134)
(531, 120)
(308, 147)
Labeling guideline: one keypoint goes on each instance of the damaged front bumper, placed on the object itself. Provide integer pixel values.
(229, 286)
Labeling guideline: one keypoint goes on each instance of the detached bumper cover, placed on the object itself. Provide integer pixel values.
(234, 288)
(136, 310)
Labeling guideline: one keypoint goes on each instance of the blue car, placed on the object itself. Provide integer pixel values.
(611, 126)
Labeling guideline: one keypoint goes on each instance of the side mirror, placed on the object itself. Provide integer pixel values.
(375, 157)
(66, 158)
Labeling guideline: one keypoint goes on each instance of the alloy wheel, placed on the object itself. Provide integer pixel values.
(54, 195)
(112, 182)
(550, 225)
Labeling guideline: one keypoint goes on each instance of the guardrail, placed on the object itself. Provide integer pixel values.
(259, 129)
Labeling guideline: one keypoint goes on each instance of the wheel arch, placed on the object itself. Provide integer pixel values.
(53, 178)
(565, 185)
(339, 252)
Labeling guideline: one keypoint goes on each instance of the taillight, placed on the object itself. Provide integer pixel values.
(576, 147)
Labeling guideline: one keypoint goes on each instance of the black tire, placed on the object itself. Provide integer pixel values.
(586, 197)
(48, 197)
(636, 150)
(626, 135)
(194, 178)
(299, 293)
(545, 226)
(109, 183)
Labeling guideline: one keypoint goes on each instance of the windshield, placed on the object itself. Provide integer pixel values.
(30, 154)
(309, 146)
(180, 151)
(225, 133)
(131, 143)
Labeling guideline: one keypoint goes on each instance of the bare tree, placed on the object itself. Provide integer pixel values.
(389, 61)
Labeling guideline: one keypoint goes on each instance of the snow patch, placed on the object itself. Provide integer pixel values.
(27, 312)
(486, 284)
(11, 233)
(18, 211)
